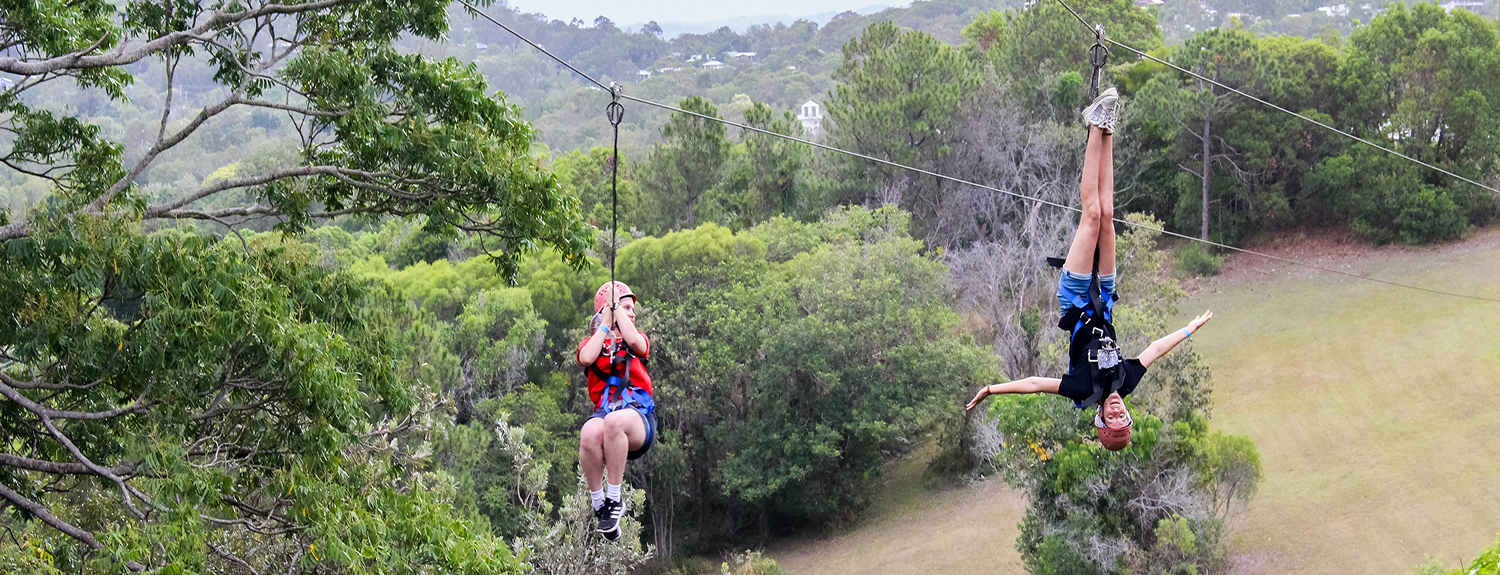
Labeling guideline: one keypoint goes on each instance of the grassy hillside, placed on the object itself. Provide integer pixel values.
(914, 531)
(1374, 409)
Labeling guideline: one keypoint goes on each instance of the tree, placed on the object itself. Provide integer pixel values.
(185, 403)
(771, 176)
(790, 362)
(1228, 56)
(898, 93)
(1042, 51)
(586, 176)
(687, 164)
(1418, 79)
(178, 402)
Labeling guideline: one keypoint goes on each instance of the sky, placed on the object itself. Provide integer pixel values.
(629, 13)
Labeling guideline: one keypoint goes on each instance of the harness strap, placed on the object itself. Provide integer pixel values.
(620, 388)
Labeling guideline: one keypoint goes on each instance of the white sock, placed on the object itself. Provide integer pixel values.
(597, 497)
(612, 492)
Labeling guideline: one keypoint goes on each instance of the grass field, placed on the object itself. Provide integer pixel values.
(1375, 410)
(911, 530)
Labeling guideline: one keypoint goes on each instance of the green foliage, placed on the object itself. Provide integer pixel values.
(1042, 52)
(654, 267)
(421, 246)
(586, 175)
(259, 395)
(496, 339)
(685, 166)
(1388, 199)
(1487, 563)
(1416, 78)
(897, 91)
(770, 176)
(1195, 259)
(848, 327)
(1232, 57)
(178, 403)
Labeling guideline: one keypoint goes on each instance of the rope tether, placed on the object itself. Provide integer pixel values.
(615, 112)
(1098, 57)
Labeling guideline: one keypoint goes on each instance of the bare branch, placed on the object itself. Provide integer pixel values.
(162, 146)
(294, 109)
(232, 558)
(165, 209)
(58, 468)
(40, 512)
(43, 411)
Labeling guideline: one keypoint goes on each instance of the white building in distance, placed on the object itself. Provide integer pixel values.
(811, 117)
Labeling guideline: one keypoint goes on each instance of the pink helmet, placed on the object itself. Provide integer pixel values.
(1113, 439)
(601, 297)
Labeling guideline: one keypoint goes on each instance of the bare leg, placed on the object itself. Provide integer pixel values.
(591, 453)
(1081, 254)
(1107, 205)
(624, 431)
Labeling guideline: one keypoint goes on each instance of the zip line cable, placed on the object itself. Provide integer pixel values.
(1274, 106)
(1055, 204)
(622, 95)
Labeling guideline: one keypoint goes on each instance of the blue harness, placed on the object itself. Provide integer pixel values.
(618, 391)
(1092, 337)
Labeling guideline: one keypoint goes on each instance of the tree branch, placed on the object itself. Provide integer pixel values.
(166, 209)
(59, 468)
(40, 512)
(232, 558)
(43, 411)
(121, 57)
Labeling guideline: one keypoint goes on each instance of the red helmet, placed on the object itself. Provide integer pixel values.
(1113, 439)
(601, 297)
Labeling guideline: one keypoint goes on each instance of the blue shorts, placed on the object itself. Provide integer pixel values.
(648, 418)
(1078, 285)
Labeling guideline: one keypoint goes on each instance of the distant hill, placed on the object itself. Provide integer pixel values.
(742, 23)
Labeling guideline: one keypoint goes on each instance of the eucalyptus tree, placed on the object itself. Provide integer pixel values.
(1226, 56)
(178, 402)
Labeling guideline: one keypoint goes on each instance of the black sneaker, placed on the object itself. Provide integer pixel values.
(609, 518)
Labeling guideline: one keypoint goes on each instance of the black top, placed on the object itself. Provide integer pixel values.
(1077, 386)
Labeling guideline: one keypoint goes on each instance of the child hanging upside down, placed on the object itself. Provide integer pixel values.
(1086, 296)
(623, 425)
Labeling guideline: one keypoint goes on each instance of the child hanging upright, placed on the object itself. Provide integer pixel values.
(623, 424)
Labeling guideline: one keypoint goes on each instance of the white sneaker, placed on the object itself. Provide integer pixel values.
(1104, 112)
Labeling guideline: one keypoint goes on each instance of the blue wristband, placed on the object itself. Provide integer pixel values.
(607, 332)
(1186, 334)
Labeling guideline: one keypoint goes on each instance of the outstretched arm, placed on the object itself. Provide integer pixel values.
(1161, 346)
(1028, 385)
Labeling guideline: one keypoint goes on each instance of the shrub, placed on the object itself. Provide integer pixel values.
(1196, 259)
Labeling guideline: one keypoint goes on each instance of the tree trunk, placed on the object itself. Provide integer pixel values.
(1207, 119)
